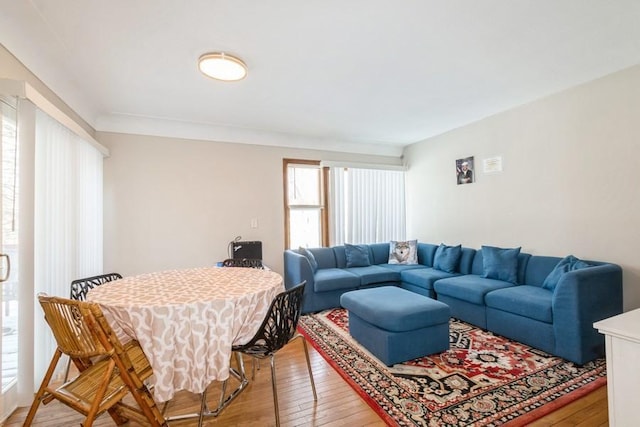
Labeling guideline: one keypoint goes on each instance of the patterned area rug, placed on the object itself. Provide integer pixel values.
(483, 380)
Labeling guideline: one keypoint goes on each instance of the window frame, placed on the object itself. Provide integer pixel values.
(324, 199)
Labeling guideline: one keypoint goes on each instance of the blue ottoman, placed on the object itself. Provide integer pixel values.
(397, 325)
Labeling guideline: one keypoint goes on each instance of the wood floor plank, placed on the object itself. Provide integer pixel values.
(594, 404)
(338, 404)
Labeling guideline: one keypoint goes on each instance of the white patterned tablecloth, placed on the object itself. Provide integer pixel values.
(187, 320)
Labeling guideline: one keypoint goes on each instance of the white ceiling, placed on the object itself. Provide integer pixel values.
(366, 76)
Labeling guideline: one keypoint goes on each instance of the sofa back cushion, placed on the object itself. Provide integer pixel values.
(309, 255)
(477, 266)
(538, 268)
(325, 257)
(466, 260)
(379, 253)
(426, 252)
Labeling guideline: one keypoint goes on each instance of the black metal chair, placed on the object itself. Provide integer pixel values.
(277, 330)
(79, 289)
(243, 262)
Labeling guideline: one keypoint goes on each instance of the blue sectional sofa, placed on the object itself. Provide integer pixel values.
(547, 302)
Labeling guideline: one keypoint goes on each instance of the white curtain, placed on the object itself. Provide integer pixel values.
(68, 219)
(367, 205)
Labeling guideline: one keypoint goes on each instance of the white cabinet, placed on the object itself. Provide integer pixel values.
(622, 339)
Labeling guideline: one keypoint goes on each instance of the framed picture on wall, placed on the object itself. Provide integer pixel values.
(464, 170)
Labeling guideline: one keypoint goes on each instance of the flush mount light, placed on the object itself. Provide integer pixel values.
(221, 66)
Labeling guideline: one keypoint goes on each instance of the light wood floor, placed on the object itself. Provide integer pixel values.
(338, 404)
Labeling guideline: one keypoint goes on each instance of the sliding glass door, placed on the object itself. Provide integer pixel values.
(60, 225)
(8, 256)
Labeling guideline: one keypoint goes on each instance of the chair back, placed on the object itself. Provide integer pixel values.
(280, 323)
(243, 262)
(75, 326)
(80, 287)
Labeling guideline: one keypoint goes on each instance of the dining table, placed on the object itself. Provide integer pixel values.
(187, 320)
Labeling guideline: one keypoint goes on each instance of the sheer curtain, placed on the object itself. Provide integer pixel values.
(68, 218)
(367, 205)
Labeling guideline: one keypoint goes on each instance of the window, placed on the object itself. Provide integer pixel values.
(305, 201)
(331, 204)
(367, 205)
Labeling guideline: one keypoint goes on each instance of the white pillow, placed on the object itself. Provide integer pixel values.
(403, 252)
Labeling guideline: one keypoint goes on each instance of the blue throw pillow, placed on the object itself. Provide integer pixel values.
(309, 255)
(357, 255)
(565, 265)
(500, 263)
(447, 258)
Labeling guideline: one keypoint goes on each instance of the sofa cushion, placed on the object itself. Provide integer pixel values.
(470, 288)
(426, 252)
(379, 253)
(532, 302)
(447, 258)
(423, 277)
(567, 264)
(500, 263)
(357, 255)
(403, 252)
(374, 274)
(466, 260)
(332, 279)
(308, 255)
(538, 268)
(325, 257)
(402, 267)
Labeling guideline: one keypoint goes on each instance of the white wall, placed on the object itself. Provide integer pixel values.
(175, 203)
(570, 183)
(11, 68)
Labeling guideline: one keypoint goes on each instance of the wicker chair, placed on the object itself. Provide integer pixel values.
(79, 289)
(243, 262)
(108, 371)
(277, 330)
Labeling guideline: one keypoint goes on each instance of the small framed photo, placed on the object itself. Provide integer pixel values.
(464, 170)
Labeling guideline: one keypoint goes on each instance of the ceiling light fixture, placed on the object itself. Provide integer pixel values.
(220, 66)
